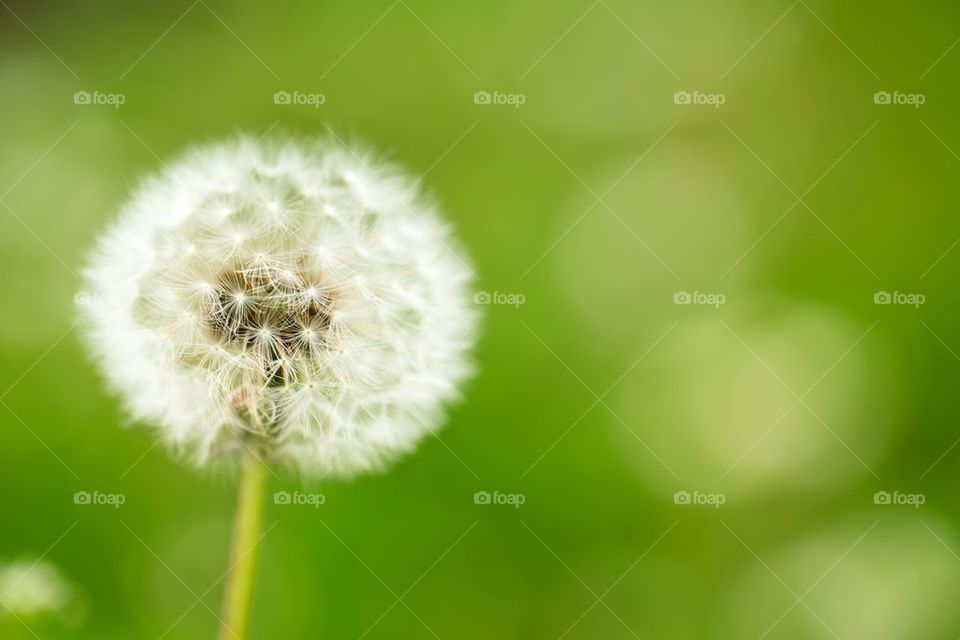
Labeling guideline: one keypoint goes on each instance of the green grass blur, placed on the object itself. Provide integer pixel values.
(598, 200)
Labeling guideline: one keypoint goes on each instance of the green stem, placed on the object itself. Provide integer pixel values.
(243, 553)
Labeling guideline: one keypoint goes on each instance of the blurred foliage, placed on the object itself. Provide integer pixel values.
(598, 199)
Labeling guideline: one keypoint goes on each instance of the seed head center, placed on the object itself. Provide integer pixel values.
(267, 309)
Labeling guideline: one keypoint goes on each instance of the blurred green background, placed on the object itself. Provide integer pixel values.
(781, 400)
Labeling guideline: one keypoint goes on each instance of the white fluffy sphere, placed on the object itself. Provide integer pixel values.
(297, 300)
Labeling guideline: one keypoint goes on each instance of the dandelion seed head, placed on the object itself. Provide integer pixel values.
(299, 300)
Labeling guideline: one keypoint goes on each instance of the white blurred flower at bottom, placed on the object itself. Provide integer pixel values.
(30, 589)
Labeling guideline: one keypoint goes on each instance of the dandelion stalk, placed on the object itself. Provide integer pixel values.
(297, 296)
(244, 550)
